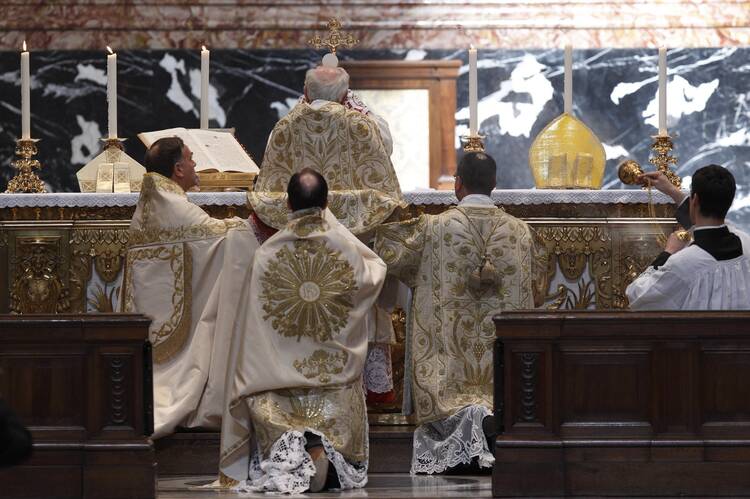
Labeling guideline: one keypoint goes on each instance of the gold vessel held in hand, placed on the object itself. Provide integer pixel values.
(629, 171)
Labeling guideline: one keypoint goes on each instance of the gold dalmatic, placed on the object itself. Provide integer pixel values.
(301, 342)
(464, 265)
(345, 147)
(184, 270)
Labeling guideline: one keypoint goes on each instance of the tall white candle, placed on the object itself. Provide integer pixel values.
(112, 93)
(205, 54)
(662, 91)
(25, 95)
(568, 80)
(473, 122)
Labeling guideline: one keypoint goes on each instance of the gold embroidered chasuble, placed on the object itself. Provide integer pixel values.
(300, 343)
(344, 146)
(451, 326)
(185, 270)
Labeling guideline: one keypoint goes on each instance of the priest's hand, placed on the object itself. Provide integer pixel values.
(676, 242)
(661, 183)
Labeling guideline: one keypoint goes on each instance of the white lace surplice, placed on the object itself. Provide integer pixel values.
(455, 440)
(694, 280)
(289, 468)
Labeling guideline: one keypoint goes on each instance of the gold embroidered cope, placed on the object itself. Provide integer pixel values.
(311, 292)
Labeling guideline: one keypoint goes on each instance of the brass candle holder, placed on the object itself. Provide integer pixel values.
(473, 143)
(26, 180)
(113, 147)
(662, 159)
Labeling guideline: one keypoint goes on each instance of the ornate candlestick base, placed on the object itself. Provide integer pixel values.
(662, 159)
(26, 180)
(473, 143)
(113, 147)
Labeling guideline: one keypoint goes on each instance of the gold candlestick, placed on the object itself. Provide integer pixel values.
(662, 159)
(473, 143)
(26, 180)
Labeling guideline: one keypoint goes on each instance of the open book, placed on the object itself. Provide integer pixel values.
(213, 150)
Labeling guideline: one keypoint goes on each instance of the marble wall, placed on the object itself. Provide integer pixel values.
(379, 24)
(520, 92)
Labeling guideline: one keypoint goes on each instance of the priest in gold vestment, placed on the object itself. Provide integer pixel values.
(465, 265)
(335, 134)
(184, 270)
(295, 401)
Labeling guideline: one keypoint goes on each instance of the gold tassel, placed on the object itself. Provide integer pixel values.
(484, 275)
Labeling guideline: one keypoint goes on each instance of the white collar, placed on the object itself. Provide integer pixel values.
(477, 199)
(703, 227)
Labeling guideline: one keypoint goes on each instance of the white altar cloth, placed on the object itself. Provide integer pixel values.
(422, 197)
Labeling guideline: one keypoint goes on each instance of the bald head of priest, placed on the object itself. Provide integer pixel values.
(476, 174)
(307, 189)
(170, 157)
(328, 84)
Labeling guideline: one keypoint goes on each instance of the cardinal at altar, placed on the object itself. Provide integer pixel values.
(464, 265)
(184, 270)
(295, 401)
(339, 138)
(331, 131)
(712, 273)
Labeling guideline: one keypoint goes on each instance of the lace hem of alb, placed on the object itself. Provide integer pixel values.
(288, 468)
(458, 439)
(378, 373)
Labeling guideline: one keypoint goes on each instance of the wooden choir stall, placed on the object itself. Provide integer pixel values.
(624, 403)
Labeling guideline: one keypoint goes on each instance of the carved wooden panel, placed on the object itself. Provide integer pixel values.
(725, 389)
(44, 388)
(599, 386)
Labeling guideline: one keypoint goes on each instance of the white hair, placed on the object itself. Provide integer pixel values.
(324, 83)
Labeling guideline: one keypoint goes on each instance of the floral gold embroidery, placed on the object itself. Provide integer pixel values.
(322, 365)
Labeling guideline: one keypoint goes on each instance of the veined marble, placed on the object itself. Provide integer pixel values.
(379, 24)
(520, 92)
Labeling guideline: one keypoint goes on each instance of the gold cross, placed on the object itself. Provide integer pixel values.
(335, 38)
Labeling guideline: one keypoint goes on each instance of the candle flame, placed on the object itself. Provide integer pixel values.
(110, 49)
(471, 46)
(203, 47)
(24, 45)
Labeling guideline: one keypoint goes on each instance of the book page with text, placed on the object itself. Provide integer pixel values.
(226, 154)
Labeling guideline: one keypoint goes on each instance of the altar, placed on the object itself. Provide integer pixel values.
(64, 252)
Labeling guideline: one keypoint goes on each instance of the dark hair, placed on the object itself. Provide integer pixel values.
(477, 171)
(163, 155)
(715, 187)
(305, 193)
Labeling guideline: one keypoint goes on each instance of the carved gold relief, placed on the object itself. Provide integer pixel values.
(100, 249)
(573, 249)
(37, 286)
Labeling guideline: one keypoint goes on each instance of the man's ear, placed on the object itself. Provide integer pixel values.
(177, 170)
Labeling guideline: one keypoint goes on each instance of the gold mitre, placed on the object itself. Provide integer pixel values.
(567, 155)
